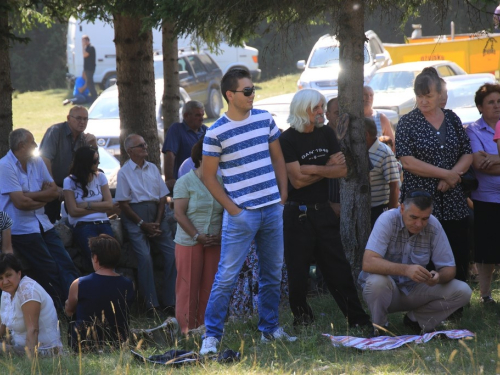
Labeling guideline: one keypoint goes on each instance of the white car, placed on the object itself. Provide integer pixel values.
(279, 107)
(393, 86)
(461, 93)
(323, 66)
(104, 117)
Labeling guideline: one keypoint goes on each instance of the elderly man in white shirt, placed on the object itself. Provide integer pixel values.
(141, 193)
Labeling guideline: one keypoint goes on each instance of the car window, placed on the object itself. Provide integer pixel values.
(197, 65)
(105, 107)
(209, 63)
(392, 81)
(328, 56)
(462, 95)
(374, 47)
(445, 71)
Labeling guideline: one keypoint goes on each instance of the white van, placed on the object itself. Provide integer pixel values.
(101, 36)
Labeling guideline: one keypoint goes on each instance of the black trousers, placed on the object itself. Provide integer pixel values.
(457, 233)
(318, 236)
(91, 84)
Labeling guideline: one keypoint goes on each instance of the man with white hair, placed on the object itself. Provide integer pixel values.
(312, 156)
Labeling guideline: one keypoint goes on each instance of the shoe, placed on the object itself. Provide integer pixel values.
(66, 101)
(209, 345)
(414, 326)
(366, 330)
(488, 300)
(279, 334)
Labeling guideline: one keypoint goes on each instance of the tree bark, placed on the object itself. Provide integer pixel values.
(355, 188)
(5, 83)
(136, 84)
(171, 95)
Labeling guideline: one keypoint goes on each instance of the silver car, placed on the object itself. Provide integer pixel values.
(104, 117)
(393, 86)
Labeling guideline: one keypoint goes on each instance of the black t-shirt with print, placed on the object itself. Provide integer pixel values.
(312, 148)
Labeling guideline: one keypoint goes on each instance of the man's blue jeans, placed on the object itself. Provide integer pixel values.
(265, 224)
(81, 235)
(49, 262)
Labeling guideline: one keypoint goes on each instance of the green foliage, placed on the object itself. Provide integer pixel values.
(40, 64)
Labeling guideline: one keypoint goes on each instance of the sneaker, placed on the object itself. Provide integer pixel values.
(209, 345)
(66, 101)
(414, 326)
(487, 300)
(279, 334)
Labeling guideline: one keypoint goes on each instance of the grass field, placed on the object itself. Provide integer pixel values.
(38, 110)
(312, 353)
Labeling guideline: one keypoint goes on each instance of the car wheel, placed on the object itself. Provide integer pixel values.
(108, 81)
(214, 103)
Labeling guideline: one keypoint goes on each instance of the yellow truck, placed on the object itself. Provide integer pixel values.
(475, 53)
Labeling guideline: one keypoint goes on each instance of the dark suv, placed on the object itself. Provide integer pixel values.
(200, 76)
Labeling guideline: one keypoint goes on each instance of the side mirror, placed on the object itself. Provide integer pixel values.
(301, 64)
(379, 58)
(183, 74)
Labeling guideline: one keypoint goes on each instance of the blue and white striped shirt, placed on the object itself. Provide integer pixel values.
(245, 161)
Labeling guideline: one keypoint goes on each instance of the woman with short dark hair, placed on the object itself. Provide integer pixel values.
(435, 151)
(100, 300)
(486, 198)
(87, 199)
(27, 311)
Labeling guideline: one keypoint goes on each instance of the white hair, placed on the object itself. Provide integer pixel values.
(302, 100)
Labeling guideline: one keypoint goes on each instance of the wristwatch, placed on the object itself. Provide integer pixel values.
(195, 237)
(140, 223)
(88, 206)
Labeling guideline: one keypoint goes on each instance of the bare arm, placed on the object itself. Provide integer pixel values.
(80, 209)
(423, 169)
(180, 209)
(280, 169)
(49, 192)
(387, 128)
(6, 243)
(393, 194)
(298, 178)
(374, 263)
(72, 301)
(168, 169)
(210, 165)
(486, 163)
(31, 315)
(160, 212)
(24, 203)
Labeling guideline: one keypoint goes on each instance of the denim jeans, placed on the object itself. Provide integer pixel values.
(49, 262)
(81, 235)
(142, 246)
(265, 224)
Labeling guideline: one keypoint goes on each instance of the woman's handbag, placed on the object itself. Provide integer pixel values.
(469, 181)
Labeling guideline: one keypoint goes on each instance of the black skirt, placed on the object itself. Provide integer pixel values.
(486, 225)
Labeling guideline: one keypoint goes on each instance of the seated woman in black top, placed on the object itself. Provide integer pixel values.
(100, 300)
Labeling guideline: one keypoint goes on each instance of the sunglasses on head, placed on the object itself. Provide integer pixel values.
(247, 91)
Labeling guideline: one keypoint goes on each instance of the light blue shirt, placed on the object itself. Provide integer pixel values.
(14, 178)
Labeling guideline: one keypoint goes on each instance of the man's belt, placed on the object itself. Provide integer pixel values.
(97, 222)
(314, 206)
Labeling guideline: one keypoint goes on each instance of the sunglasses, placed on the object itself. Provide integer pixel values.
(418, 193)
(247, 91)
(141, 145)
(96, 161)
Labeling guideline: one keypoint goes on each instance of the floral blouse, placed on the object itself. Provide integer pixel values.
(416, 137)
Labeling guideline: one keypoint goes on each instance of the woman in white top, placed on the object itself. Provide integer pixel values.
(27, 311)
(87, 199)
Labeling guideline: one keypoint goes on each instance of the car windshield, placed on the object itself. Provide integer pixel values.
(392, 81)
(462, 96)
(328, 56)
(104, 108)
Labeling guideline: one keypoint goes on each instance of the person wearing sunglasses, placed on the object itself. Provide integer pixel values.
(244, 143)
(394, 278)
(87, 199)
(141, 194)
(58, 147)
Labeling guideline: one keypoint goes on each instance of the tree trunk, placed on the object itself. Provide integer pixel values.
(5, 83)
(355, 188)
(171, 96)
(136, 84)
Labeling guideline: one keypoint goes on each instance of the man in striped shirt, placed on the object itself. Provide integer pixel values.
(244, 144)
(384, 176)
